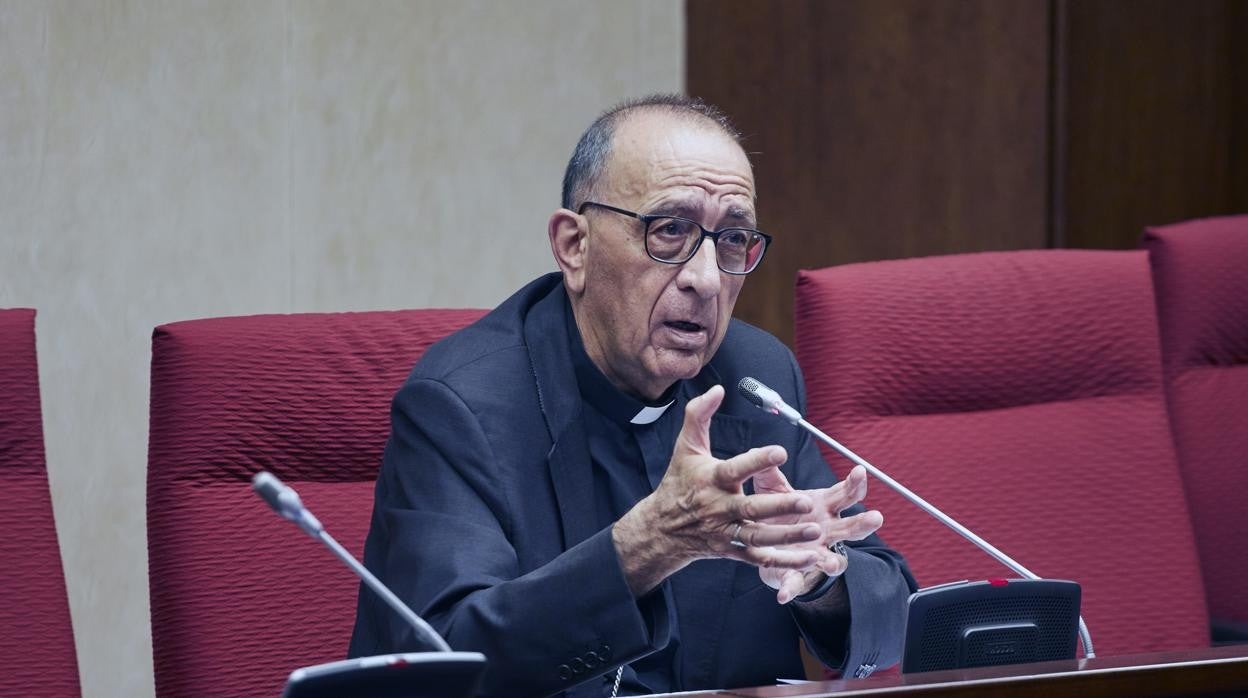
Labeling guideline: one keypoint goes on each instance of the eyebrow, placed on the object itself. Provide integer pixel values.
(693, 211)
(740, 215)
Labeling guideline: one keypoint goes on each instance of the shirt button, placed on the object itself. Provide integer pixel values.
(565, 672)
(604, 651)
(578, 666)
(592, 659)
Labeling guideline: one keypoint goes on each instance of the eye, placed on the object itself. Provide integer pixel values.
(737, 239)
(670, 228)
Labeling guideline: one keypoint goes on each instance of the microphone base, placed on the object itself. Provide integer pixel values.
(411, 674)
(989, 623)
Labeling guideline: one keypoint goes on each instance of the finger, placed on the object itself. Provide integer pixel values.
(739, 468)
(763, 535)
(833, 564)
(766, 506)
(856, 527)
(855, 487)
(800, 559)
(771, 480)
(846, 493)
(695, 434)
(790, 586)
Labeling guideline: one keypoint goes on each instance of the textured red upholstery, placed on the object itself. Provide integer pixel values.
(36, 637)
(1021, 393)
(1200, 272)
(239, 597)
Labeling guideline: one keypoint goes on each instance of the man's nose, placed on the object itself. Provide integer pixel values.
(701, 273)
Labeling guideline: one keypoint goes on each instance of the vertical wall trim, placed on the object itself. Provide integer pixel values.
(1058, 36)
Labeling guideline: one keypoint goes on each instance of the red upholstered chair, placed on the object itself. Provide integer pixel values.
(239, 597)
(1020, 392)
(1200, 273)
(36, 636)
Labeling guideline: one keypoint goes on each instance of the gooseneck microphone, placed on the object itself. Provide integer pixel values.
(285, 501)
(770, 401)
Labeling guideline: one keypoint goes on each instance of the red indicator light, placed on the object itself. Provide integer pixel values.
(997, 582)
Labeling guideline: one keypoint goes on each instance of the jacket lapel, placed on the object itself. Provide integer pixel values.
(545, 330)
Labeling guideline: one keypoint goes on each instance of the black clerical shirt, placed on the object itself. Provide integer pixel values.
(629, 459)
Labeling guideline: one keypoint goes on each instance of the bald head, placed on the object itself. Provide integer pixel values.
(593, 151)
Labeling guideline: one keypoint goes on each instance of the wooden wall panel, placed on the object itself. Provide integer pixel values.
(1238, 30)
(1151, 127)
(880, 129)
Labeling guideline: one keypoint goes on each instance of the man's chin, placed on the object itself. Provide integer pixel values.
(674, 365)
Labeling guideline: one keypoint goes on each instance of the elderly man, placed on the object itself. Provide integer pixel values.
(568, 489)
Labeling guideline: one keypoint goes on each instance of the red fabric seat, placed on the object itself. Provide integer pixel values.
(1200, 273)
(1020, 392)
(239, 597)
(36, 635)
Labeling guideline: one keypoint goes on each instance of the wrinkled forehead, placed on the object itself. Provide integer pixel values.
(654, 152)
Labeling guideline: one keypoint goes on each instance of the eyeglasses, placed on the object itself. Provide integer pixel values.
(674, 240)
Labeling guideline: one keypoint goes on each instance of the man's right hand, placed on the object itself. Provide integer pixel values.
(700, 511)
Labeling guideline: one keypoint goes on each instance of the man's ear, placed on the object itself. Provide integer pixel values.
(567, 231)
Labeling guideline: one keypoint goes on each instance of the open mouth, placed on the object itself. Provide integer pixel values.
(684, 326)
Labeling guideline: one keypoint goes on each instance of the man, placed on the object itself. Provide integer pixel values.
(569, 490)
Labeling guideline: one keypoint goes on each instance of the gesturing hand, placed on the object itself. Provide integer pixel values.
(700, 511)
(829, 502)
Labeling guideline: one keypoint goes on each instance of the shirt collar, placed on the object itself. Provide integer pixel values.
(599, 391)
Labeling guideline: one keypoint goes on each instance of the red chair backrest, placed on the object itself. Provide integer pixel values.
(1021, 393)
(36, 635)
(239, 597)
(1200, 273)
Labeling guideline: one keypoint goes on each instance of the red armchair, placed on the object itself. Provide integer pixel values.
(1022, 393)
(1200, 273)
(240, 598)
(36, 635)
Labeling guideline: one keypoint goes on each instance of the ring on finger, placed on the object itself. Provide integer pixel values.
(736, 536)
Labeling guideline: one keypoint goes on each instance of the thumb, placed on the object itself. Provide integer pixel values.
(790, 586)
(771, 480)
(695, 434)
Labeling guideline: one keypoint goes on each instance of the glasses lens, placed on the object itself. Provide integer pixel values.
(739, 249)
(672, 239)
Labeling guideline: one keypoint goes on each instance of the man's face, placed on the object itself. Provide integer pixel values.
(647, 324)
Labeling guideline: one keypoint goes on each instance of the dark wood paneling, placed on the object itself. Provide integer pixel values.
(880, 129)
(1151, 128)
(1238, 29)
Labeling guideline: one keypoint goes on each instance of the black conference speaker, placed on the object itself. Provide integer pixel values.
(998, 621)
(408, 675)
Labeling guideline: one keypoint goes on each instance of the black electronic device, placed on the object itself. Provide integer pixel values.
(407, 675)
(992, 622)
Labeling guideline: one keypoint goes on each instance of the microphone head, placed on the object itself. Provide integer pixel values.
(285, 501)
(270, 490)
(750, 389)
(767, 400)
(276, 493)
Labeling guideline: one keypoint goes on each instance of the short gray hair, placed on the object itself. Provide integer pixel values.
(589, 159)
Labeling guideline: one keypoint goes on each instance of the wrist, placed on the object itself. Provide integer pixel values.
(825, 581)
(645, 554)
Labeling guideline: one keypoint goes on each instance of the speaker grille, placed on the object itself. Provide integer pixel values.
(937, 634)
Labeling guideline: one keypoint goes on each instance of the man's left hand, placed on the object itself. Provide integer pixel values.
(829, 503)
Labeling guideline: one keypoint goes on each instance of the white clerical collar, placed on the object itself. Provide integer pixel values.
(648, 415)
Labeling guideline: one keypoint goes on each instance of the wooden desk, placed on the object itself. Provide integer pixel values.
(1217, 671)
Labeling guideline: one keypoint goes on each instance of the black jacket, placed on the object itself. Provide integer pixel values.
(484, 523)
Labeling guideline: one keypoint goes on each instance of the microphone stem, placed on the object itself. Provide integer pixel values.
(423, 630)
(940, 516)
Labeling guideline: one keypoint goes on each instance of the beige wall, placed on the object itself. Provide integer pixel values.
(164, 160)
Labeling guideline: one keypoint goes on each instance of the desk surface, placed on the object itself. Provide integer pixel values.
(1221, 670)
